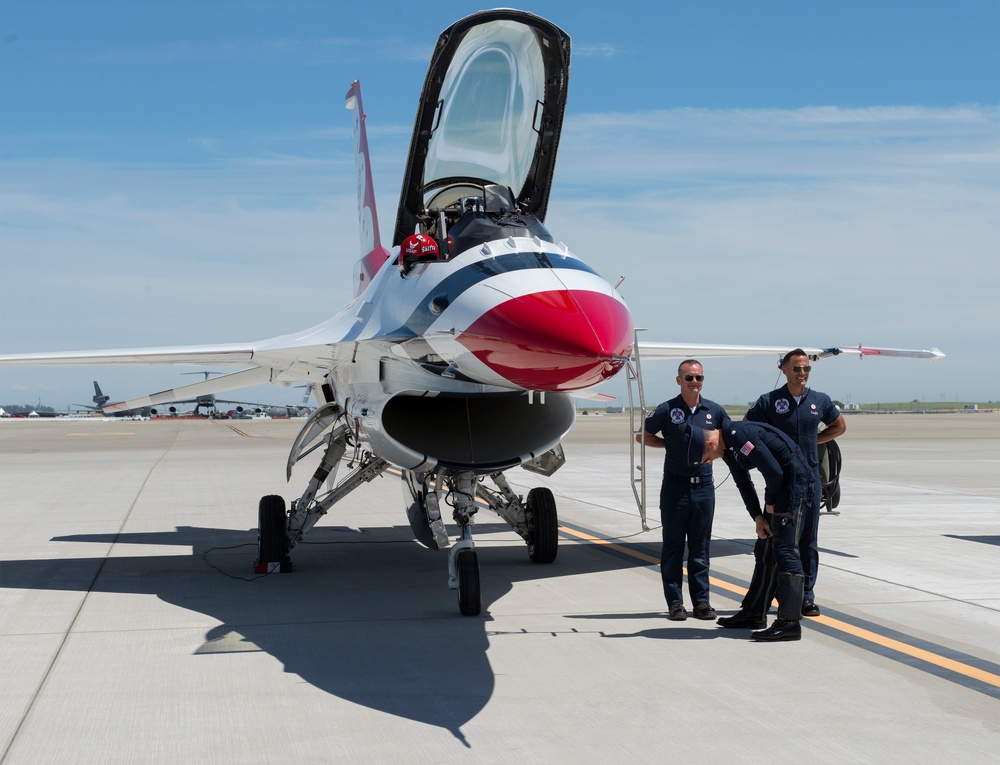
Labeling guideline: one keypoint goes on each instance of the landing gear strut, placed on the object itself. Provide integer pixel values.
(277, 532)
(463, 560)
(426, 492)
(533, 518)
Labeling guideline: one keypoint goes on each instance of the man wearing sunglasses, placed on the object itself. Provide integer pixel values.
(687, 494)
(799, 412)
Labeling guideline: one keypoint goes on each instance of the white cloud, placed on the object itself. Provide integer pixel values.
(595, 50)
(307, 50)
(814, 226)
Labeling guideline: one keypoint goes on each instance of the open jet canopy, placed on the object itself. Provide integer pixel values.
(488, 122)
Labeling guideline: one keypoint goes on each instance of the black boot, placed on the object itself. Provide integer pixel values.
(786, 626)
(782, 629)
(789, 594)
(742, 620)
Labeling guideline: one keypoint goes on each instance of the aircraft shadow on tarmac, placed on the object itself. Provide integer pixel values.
(987, 539)
(365, 616)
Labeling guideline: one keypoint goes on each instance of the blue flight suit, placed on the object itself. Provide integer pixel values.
(787, 486)
(687, 498)
(800, 421)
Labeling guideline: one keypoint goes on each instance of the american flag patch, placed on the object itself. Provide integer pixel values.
(747, 448)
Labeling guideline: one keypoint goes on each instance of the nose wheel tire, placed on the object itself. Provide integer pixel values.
(543, 522)
(470, 597)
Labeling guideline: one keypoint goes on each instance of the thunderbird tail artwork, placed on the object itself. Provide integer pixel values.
(459, 354)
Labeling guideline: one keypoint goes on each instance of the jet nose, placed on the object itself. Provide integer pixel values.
(558, 340)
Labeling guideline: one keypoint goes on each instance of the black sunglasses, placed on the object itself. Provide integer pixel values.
(807, 370)
(690, 378)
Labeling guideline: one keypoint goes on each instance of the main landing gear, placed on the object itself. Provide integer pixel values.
(533, 518)
(273, 522)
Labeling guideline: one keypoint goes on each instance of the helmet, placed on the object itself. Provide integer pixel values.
(418, 247)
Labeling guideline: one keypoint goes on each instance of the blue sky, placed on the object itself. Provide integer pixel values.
(759, 172)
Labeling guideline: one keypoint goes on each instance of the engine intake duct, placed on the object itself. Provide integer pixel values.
(484, 432)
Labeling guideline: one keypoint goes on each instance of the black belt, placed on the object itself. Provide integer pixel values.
(693, 479)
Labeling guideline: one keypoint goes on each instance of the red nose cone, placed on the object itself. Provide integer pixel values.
(558, 340)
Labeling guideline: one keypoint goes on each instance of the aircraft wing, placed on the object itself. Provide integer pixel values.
(214, 355)
(271, 363)
(692, 350)
(592, 395)
(242, 379)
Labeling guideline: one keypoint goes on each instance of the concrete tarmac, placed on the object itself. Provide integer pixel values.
(133, 630)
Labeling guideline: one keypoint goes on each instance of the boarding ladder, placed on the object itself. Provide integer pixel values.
(637, 420)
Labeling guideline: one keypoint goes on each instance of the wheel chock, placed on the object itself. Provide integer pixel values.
(268, 567)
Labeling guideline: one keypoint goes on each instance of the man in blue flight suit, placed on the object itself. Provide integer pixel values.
(687, 494)
(787, 490)
(797, 411)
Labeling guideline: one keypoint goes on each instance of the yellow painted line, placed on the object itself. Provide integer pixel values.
(588, 538)
(917, 653)
(859, 632)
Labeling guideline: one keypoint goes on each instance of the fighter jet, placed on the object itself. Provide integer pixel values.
(467, 337)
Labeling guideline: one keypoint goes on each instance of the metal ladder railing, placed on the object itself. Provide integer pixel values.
(633, 375)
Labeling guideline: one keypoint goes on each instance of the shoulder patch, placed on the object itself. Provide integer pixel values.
(746, 449)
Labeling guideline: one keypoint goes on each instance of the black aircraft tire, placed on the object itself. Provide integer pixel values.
(470, 595)
(272, 535)
(542, 518)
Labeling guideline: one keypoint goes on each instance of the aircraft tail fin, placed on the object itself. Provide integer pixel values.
(375, 255)
(99, 398)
